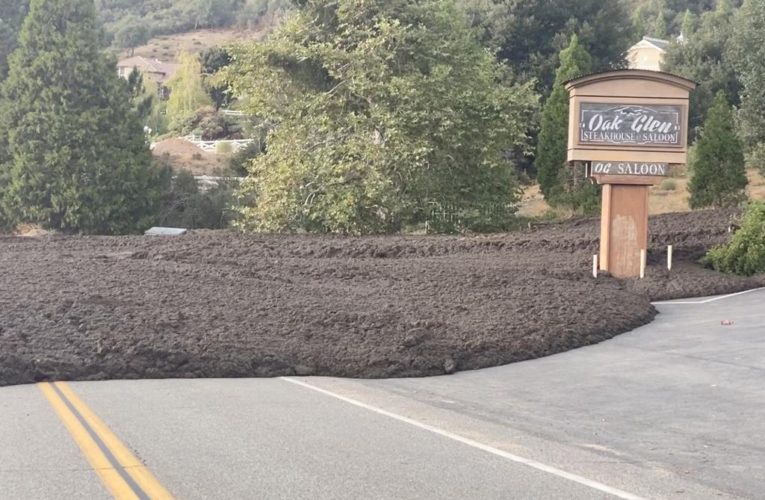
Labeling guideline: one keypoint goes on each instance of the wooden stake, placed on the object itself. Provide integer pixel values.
(643, 262)
(669, 258)
(595, 266)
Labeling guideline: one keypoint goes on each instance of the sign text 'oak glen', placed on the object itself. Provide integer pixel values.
(630, 125)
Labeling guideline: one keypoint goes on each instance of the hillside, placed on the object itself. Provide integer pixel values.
(168, 47)
(132, 23)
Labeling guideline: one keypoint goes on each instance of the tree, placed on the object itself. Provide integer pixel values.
(141, 97)
(702, 56)
(380, 109)
(187, 93)
(73, 155)
(529, 34)
(213, 60)
(748, 55)
(719, 171)
(558, 182)
(12, 13)
(132, 32)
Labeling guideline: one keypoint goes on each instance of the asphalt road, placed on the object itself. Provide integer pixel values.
(672, 410)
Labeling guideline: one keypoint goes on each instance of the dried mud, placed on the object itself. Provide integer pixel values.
(220, 304)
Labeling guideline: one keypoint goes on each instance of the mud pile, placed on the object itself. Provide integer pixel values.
(220, 304)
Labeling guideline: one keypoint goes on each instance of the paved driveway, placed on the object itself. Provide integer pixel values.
(673, 410)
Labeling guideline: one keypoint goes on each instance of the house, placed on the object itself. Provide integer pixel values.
(647, 54)
(152, 70)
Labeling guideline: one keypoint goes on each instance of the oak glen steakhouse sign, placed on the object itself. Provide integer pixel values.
(630, 125)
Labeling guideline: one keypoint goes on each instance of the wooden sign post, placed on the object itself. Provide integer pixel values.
(629, 127)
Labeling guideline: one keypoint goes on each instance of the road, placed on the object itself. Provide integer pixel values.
(671, 410)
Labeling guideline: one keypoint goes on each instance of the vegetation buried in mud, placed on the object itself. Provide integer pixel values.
(745, 253)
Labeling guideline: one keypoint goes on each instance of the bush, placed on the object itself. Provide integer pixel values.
(756, 158)
(189, 206)
(668, 185)
(745, 253)
(211, 125)
(224, 148)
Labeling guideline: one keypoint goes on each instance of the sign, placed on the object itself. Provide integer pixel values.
(631, 124)
(629, 168)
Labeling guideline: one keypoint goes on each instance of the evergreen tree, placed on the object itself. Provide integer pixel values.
(561, 185)
(719, 171)
(12, 13)
(141, 97)
(73, 155)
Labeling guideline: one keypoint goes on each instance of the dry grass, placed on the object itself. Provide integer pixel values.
(168, 48)
(660, 201)
(180, 154)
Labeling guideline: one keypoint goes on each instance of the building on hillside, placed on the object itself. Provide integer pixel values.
(647, 54)
(152, 69)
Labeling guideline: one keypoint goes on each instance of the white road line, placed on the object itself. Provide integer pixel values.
(706, 301)
(475, 444)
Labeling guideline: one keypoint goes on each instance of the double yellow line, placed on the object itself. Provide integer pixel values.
(122, 473)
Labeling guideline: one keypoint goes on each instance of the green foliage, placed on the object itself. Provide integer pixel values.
(212, 61)
(719, 170)
(703, 56)
(130, 33)
(664, 18)
(668, 185)
(143, 99)
(12, 13)
(187, 93)
(210, 125)
(187, 205)
(131, 21)
(561, 184)
(745, 253)
(380, 107)
(748, 55)
(73, 155)
(529, 34)
(241, 160)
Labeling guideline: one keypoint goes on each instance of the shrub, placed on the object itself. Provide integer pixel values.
(668, 185)
(189, 206)
(224, 148)
(745, 253)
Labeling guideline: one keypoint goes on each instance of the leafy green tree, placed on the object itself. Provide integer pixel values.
(380, 108)
(560, 184)
(132, 32)
(748, 55)
(665, 18)
(212, 61)
(719, 171)
(702, 56)
(745, 253)
(73, 155)
(187, 93)
(529, 34)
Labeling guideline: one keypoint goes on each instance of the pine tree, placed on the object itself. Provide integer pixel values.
(719, 171)
(73, 155)
(561, 185)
